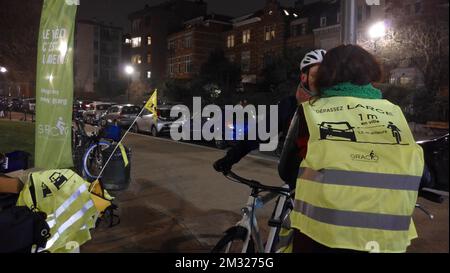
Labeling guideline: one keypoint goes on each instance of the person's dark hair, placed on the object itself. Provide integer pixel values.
(348, 63)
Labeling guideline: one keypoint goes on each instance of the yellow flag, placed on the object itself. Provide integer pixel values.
(152, 103)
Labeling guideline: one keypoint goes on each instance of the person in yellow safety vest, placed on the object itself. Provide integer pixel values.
(65, 198)
(359, 179)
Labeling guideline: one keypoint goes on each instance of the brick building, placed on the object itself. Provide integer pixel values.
(256, 38)
(190, 47)
(151, 27)
(97, 56)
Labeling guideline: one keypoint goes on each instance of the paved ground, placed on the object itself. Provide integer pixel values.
(176, 202)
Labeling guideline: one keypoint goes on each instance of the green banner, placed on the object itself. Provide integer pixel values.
(54, 85)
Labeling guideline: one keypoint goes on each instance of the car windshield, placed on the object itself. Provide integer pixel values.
(165, 113)
(130, 110)
(102, 107)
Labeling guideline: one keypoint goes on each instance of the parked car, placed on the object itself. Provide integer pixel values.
(146, 122)
(95, 111)
(15, 104)
(436, 157)
(121, 115)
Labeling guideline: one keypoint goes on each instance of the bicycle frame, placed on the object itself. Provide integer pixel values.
(250, 223)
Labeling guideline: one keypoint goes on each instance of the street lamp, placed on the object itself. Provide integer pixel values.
(3, 69)
(376, 32)
(129, 70)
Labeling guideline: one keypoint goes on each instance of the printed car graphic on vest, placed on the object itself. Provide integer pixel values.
(337, 129)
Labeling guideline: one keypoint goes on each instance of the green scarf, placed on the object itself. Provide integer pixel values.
(352, 90)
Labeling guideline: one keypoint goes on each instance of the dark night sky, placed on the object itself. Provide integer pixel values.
(116, 11)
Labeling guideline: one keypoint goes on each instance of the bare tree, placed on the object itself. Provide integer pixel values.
(19, 27)
(419, 39)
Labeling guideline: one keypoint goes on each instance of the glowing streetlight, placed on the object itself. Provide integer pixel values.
(3, 69)
(129, 70)
(377, 30)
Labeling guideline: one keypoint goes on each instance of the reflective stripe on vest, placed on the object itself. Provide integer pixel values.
(362, 179)
(353, 218)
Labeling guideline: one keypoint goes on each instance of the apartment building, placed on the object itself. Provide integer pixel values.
(97, 55)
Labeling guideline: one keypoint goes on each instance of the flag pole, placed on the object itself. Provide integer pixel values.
(117, 145)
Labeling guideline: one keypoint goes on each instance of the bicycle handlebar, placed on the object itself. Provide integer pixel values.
(256, 185)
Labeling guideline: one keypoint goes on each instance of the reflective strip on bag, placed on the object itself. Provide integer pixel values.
(75, 217)
(285, 241)
(64, 206)
(124, 154)
(72, 220)
(362, 179)
(352, 218)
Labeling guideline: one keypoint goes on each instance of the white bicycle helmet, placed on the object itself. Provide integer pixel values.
(313, 57)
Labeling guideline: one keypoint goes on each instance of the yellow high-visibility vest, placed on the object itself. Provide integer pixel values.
(64, 197)
(358, 184)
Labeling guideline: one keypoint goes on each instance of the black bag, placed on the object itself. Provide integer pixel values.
(21, 228)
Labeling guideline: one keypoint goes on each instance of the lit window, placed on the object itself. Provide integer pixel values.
(149, 40)
(323, 21)
(149, 74)
(127, 41)
(393, 80)
(246, 36)
(136, 59)
(230, 41)
(136, 42)
(269, 33)
(405, 80)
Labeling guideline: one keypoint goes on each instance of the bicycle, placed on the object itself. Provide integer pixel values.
(246, 234)
(92, 147)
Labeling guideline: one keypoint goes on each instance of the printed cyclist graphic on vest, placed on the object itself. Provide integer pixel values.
(395, 132)
(337, 130)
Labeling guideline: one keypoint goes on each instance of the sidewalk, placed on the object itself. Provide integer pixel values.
(17, 116)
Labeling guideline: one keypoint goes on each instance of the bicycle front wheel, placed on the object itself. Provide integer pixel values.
(93, 159)
(234, 241)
